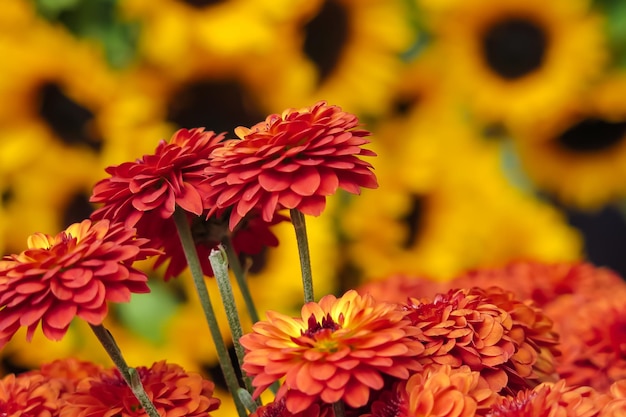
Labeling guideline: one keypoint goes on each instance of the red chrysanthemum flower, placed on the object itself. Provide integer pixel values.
(173, 392)
(71, 274)
(144, 193)
(294, 161)
(551, 400)
(28, 396)
(339, 349)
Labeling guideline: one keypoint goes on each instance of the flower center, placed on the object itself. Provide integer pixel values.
(327, 325)
(514, 47)
(413, 220)
(77, 209)
(69, 120)
(520, 404)
(390, 405)
(592, 135)
(217, 105)
(326, 36)
(199, 4)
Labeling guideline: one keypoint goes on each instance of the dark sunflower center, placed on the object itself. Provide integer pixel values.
(6, 196)
(215, 370)
(592, 135)
(413, 220)
(69, 120)
(77, 209)
(217, 105)
(315, 327)
(325, 37)
(402, 106)
(514, 47)
(199, 4)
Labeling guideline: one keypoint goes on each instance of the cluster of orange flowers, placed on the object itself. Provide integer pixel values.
(71, 387)
(525, 340)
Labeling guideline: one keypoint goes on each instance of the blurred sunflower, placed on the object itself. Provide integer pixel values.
(514, 59)
(54, 87)
(56, 81)
(440, 212)
(578, 152)
(47, 194)
(214, 36)
(342, 51)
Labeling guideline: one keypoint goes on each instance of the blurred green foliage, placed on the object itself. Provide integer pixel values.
(98, 20)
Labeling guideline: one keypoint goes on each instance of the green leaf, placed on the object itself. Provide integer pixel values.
(147, 314)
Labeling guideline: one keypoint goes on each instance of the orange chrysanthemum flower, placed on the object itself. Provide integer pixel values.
(68, 372)
(339, 349)
(443, 391)
(144, 193)
(536, 341)
(397, 288)
(509, 342)
(436, 391)
(29, 395)
(593, 338)
(173, 392)
(461, 328)
(616, 406)
(294, 160)
(551, 400)
(543, 282)
(72, 274)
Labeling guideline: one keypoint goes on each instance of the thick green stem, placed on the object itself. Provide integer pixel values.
(129, 374)
(219, 263)
(299, 224)
(235, 266)
(186, 239)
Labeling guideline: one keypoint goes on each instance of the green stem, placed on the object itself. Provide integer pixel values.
(129, 374)
(246, 399)
(340, 409)
(219, 263)
(235, 265)
(189, 247)
(299, 224)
